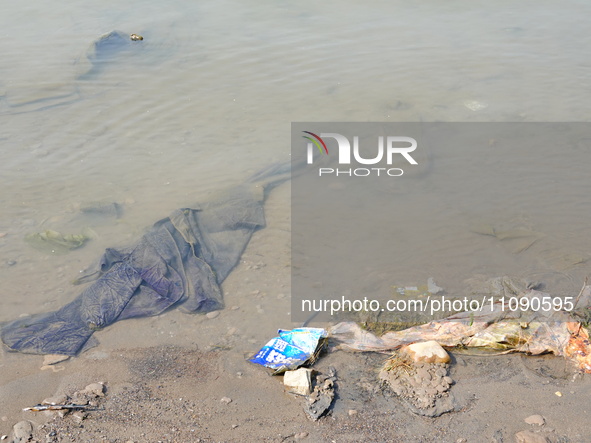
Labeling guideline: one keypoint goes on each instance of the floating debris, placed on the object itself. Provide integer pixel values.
(105, 209)
(516, 240)
(475, 105)
(56, 242)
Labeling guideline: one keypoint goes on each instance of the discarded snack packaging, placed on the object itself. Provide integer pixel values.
(290, 350)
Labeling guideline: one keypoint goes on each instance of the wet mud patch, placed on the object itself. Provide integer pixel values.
(485, 366)
(548, 367)
(171, 362)
(423, 387)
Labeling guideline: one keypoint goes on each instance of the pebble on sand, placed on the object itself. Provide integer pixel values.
(213, 314)
(22, 431)
(55, 400)
(530, 437)
(426, 352)
(535, 419)
(226, 400)
(96, 389)
(52, 359)
(299, 381)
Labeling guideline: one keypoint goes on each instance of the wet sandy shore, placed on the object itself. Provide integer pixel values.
(186, 378)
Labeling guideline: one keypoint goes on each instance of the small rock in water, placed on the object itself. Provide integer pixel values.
(432, 288)
(474, 105)
(535, 419)
(426, 352)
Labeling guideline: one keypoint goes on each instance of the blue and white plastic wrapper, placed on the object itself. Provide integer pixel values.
(290, 350)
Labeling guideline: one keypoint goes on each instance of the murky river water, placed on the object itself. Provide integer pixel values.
(208, 96)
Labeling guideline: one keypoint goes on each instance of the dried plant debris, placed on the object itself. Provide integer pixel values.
(516, 240)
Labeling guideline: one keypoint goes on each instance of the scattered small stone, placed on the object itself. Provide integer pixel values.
(4, 437)
(530, 437)
(461, 440)
(234, 426)
(55, 400)
(11, 262)
(535, 419)
(79, 416)
(352, 412)
(299, 381)
(226, 400)
(426, 352)
(95, 389)
(213, 314)
(22, 431)
(558, 394)
(235, 308)
(300, 436)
